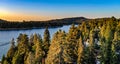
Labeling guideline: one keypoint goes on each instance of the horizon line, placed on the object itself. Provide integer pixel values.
(57, 18)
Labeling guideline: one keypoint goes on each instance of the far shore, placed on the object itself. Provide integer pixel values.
(13, 29)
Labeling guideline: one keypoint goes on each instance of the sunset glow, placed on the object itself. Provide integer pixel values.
(18, 10)
(7, 15)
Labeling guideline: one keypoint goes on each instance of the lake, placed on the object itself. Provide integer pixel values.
(6, 36)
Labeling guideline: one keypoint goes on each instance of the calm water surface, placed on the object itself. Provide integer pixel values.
(6, 36)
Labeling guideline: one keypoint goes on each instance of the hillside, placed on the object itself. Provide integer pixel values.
(75, 20)
(8, 25)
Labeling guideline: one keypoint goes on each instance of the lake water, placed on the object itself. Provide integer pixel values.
(6, 36)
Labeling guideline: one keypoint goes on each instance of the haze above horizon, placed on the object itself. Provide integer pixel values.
(18, 10)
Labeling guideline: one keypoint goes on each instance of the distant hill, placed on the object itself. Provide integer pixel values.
(8, 25)
(65, 21)
(70, 20)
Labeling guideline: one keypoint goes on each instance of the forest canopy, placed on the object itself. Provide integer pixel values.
(93, 42)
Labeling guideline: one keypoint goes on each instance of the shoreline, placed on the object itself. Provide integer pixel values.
(15, 29)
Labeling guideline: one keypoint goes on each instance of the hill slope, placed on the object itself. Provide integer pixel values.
(7, 25)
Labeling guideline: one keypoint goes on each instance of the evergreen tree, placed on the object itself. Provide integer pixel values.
(87, 54)
(30, 58)
(39, 53)
(46, 41)
(72, 42)
(80, 51)
(18, 58)
(31, 43)
(106, 46)
(22, 49)
(55, 53)
(11, 51)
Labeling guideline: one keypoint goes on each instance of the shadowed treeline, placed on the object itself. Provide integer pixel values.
(5, 25)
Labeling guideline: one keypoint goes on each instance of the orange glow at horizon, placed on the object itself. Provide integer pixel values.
(23, 17)
(7, 15)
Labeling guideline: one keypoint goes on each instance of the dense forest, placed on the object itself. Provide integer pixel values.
(94, 42)
(10, 25)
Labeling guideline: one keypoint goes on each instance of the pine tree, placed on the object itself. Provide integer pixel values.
(23, 46)
(30, 58)
(80, 51)
(46, 41)
(18, 58)
(92, 55)
(116, 46)
(87, 54)
(39, 53)
(106, 46)
(35, 37)
(11, 51)
(56, 51)
(22, 49)
(31, 43)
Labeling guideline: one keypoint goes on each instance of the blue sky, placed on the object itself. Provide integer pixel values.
(61, 8)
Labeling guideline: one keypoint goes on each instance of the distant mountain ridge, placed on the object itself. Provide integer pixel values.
(62, 19)
(70, 20)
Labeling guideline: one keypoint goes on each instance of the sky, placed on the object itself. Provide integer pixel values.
(18, 10)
